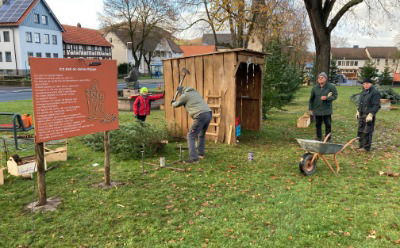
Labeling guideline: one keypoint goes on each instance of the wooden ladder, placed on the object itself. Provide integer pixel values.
(214, 102)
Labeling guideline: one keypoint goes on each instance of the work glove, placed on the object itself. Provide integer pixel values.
(180, 89)
(310, 112)
(172, 101)
(330, 94)
(357, 115)
(369, 117)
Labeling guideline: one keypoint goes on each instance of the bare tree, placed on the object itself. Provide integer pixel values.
(337, 41)
(325, 15)
(138, 18)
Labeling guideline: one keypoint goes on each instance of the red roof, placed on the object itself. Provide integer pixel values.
(196, 50)
(396, 77)
(83, 36)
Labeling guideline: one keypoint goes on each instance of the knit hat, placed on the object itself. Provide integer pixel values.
(368, 80)
(143, 90)
(323, 74)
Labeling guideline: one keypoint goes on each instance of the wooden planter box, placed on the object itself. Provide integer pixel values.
(2, 176)
(26, 169)
(385, 104)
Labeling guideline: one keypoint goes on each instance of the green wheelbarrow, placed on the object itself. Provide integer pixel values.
(318, 149)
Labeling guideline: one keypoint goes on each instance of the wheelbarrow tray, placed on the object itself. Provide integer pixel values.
(319, 146)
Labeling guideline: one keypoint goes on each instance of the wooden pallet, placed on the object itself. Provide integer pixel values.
(214, 102)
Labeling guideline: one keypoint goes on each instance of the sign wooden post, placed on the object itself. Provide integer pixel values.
(107, 178)
(41, 179)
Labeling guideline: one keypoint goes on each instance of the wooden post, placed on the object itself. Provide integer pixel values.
(41, 174)
(107, 180)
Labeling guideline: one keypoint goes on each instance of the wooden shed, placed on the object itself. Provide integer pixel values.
(230, 81)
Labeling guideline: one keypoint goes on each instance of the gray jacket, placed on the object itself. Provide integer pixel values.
(193, 102)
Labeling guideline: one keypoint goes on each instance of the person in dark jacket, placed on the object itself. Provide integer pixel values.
(368, 106)
(142, 104)
(320, 104)
(201, 115)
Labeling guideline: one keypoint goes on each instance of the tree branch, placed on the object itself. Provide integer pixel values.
(341, 12)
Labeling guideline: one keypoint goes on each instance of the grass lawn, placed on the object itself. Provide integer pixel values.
(224, 201)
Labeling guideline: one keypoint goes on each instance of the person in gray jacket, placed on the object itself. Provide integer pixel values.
(201, 115)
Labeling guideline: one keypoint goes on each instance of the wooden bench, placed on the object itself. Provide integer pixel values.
(14, 124)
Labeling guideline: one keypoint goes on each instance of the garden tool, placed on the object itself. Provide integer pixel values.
(185, 71)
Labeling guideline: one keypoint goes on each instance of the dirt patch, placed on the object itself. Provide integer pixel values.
(112, 185)
(51, 205)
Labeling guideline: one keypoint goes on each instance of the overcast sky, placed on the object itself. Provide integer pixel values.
(85, 12)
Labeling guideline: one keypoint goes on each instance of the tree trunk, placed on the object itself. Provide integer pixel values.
(41, 174)
(323, 52)
(107, 178)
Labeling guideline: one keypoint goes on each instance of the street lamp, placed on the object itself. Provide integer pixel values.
(127, 55)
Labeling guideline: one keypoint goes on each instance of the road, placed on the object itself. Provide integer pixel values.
(10, 93)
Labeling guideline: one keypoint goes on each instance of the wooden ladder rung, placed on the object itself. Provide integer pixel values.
(216, 115)
(214, 105)
(214, 96)
(212, 134)
(214, 124)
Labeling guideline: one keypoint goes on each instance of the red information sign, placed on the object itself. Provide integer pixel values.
(73, 97)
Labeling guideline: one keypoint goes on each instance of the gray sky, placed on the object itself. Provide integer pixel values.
(85, 11)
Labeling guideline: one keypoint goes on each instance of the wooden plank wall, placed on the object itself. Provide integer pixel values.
(213, 73)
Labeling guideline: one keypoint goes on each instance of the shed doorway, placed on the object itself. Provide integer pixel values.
(248, 96)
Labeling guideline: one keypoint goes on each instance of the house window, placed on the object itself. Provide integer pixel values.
(339, 63)
(46, 39)
(377, 61)
(355, 63)
(351, 63)
(39, 55)
(36, 18)
(30, 54)
(54, 39)
(55, 55)
(6, 36)
(28, 36)
(111, 40)
(45, 20)
(8, 57)
(1, 57)
(36, 37)
(48, 55)
(347, 63)
(386, 62)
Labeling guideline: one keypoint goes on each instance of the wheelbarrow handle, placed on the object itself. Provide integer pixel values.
(347, 144)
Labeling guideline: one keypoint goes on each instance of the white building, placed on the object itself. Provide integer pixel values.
(350, 60)
(159, 44)
(27, 28)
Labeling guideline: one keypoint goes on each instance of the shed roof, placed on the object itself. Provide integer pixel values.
(224, 51)
(83, 36)
(349, 53)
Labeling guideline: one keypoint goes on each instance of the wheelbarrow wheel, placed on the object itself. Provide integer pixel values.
(305, 165)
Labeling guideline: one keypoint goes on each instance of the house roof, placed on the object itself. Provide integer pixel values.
(224, 40)
(383, 52)
(349, 53)
(195, 50)
(152, 40)
(83, 36)
(14, 12)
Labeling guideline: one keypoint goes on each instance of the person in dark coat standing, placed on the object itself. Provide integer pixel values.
(368, 106)
(320, 104)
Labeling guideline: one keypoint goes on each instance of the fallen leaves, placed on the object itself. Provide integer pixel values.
(371, 234)
(389, 174)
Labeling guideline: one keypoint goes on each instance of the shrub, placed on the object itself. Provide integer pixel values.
(127, 141)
